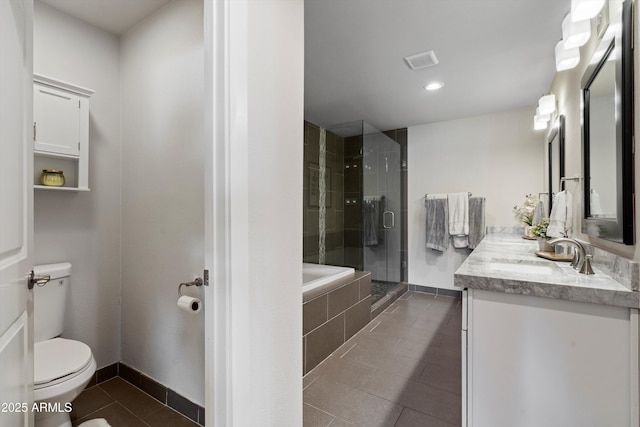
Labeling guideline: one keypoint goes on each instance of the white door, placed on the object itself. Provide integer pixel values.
(16, 198)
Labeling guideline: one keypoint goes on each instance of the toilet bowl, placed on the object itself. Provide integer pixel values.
(62, 367)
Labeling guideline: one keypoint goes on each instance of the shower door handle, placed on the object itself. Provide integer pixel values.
(384, 219)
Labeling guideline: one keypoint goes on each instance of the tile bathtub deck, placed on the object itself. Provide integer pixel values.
(403, 369)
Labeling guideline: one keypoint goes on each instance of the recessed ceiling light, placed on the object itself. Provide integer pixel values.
(434, 86)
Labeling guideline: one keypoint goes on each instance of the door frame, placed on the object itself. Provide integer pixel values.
(254, 81)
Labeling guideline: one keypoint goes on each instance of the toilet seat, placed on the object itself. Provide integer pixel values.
(58, 360)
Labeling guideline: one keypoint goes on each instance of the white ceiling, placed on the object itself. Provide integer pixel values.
(115, 16)
(494, 54)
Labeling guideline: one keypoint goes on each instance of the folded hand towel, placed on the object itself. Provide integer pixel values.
(437, 223)
(459, 218)
(476, 221)
(561, 217)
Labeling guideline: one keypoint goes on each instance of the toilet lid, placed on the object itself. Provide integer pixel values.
(57, 358)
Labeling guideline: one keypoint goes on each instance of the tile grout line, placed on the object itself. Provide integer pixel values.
(351, 348)
(308, 385)
(85, 418)
(120, 403)
(378, 324)
(165, 404)
(399, 416)
(321, 410)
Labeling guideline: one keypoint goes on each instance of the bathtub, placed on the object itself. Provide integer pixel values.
(317, 279)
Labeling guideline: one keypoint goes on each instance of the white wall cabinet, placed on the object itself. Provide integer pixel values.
(61, 131)
(532, 361)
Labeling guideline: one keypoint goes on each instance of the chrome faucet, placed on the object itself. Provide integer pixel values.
(581, 260)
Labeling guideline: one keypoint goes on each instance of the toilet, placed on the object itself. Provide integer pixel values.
(62, 367)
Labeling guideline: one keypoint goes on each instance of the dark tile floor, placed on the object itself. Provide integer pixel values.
(403, 369)
(124, 405)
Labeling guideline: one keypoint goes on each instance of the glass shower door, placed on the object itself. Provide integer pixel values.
(381, 209)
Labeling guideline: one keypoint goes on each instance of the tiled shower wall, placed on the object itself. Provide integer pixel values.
(353, 256)
(334, 178)
(343, 239)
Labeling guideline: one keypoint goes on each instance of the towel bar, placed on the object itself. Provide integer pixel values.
(571, 178)
(426, 194)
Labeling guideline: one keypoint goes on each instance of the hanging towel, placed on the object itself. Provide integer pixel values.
(538, 212)
(371, 209)
(595, 208)
(476, 221)
(459, 219)
(561, 217)
(437, 224)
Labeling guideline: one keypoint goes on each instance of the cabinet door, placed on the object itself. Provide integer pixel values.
(56, 116)
(536, 361)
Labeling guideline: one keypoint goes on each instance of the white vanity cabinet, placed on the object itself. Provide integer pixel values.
(536, 361)
(61, 131)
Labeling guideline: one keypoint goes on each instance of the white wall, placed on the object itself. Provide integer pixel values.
(162, 72)
(84, 228)
(498, 156)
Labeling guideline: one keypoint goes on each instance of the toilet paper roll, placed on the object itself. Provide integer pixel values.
(189, 304)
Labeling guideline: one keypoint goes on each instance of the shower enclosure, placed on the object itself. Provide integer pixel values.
(353, 201)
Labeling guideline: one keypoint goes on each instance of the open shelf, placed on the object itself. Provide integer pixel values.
(48, 187)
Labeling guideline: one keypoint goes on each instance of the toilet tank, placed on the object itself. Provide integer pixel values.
(49, 300)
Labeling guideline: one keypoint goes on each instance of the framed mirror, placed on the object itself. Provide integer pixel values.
(555, 159)
(607, 132)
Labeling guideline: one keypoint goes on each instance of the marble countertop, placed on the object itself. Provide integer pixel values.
(507, 263)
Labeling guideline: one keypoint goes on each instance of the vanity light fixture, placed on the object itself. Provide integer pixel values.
(434, 86)
(546, 106)
(566, 58)
(585, 9)
(542, 117)
(540, 120)
(575, 34)
(539, 124)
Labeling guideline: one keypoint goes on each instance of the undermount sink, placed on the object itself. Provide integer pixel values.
(523, 267)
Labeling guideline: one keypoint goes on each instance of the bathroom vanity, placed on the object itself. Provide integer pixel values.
(543, 344)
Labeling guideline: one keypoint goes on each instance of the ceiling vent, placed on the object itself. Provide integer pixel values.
(421, 60)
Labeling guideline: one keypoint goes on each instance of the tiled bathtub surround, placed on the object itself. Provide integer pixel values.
(332, 318)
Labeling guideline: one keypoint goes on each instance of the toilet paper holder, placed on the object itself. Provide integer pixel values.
(196, 282)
